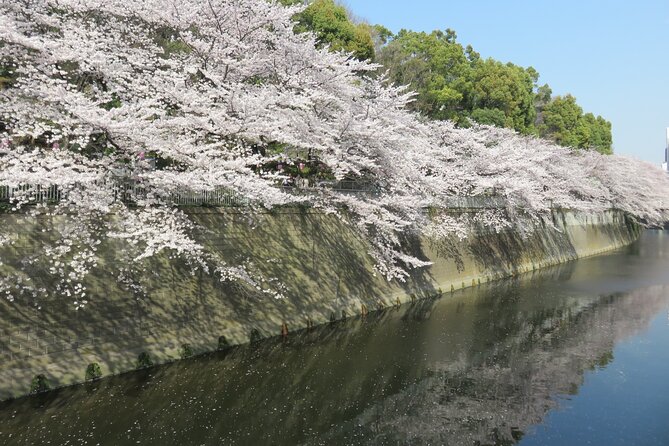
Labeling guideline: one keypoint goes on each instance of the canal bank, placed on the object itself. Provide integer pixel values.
(319, 263)
(486, 365)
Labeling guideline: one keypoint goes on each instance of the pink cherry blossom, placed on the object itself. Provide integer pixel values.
(234, 77)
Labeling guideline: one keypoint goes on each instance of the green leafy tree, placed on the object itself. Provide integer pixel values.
(507, 88)
(380, 36)
(332, 24)
(563, 120)
(454, 82)
(560, 120)
(435, 66)
(489, 116)
(543, 96)
(596, 133)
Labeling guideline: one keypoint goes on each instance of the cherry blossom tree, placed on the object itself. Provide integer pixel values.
(166, 97)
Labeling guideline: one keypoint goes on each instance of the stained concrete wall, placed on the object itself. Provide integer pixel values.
(323, 264)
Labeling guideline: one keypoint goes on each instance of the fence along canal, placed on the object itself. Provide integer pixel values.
(224, 197)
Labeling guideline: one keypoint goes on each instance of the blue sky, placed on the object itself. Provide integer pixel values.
(612, 55)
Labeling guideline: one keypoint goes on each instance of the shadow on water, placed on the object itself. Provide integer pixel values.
(480, 366)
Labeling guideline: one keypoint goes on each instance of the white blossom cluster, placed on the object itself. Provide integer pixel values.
(193, 94)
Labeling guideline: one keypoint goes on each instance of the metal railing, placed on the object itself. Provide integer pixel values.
(129, 192)
(218, 197)
(37, 193)
(126, 192)
(474, 202)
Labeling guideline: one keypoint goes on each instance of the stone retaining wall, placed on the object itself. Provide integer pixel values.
(323, 265)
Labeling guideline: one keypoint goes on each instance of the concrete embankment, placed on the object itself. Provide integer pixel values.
(323, 266)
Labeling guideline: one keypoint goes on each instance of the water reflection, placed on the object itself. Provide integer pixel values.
(477, 367)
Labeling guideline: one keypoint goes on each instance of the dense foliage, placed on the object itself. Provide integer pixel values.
(224, 95)
(331, 24)
(563, 120)
(454, 82)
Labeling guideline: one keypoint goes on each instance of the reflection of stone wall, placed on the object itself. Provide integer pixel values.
(322, 263)
(465, 369)
(496, 399)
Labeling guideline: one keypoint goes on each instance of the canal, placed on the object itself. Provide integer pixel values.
(576, 354)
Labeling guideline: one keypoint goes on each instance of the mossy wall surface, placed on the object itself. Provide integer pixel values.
(322, 263)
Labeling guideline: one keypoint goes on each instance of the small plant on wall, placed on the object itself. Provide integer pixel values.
(255, 336)
(186, 351)
(39, 384)
(223, 343)
(93, 371)
(144, 361)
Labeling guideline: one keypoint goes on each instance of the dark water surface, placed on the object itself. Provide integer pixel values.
(577, 354)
